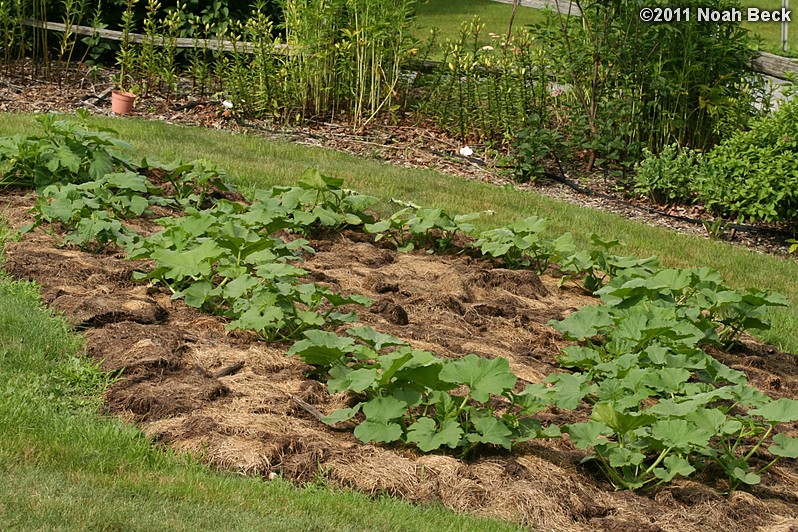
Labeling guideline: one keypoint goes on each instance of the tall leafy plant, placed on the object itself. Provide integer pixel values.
(635, 84)
(346, 56)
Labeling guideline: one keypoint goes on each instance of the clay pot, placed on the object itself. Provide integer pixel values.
(122, 102)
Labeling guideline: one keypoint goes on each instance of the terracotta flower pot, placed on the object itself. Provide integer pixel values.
(122, 102)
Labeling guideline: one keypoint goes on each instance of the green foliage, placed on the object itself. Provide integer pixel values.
(754, 174)
(639, 448)
(598, 266)
(230, 261)
(668, 177)
(643, 346)
(483, 93)
(409, 395)
(636, 84)
(681, 304)
(414, 227)
(90, 212)
(521, 244)
(191, 183)
(351, 65)
(318, 202)
(533, 145)
(67, 152)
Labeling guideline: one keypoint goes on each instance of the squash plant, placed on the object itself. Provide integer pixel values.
(410, 395)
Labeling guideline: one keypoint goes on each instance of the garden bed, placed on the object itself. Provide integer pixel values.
(246, 406)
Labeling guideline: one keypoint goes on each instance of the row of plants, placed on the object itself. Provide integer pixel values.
(222, 256)
(661, 406)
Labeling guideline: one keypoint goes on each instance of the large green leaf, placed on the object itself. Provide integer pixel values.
(584, 435)
(620, 456)
(784, 446)
(375, 339)
(492, 431)
(128, 181)
(322, 348)
(342, 378)
(746, 477)
(384, 409)
(619, 422)
(380, 424)
(569, 389)
(780, 411)
(587, 322)
(484, 377)
(196, 294)
(428, 436)
(680, 434)
(668, 380)
(195, 263)
(390, 364)
(342, 414)
(674, 465)
(240, 286)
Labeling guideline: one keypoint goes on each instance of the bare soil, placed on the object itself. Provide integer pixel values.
(235, 402)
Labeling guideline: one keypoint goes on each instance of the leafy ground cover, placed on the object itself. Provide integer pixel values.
(245, 405)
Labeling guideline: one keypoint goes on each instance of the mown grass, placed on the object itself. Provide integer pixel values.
(255, 162)
(62, 467)
(448, 15)
(769, 33)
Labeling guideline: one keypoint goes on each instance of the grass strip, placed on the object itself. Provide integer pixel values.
(448, 15)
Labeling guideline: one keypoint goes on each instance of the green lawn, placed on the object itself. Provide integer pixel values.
(770, 32)
(448, 16)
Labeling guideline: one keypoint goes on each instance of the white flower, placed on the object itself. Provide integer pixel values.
(466, 151)
(228, 104)
(487, 48)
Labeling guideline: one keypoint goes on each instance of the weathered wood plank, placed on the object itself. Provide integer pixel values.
(773, 65)
(182, 42)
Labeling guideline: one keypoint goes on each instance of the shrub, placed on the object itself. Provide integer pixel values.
(531, 147)
(754, 174)
(668, 177)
